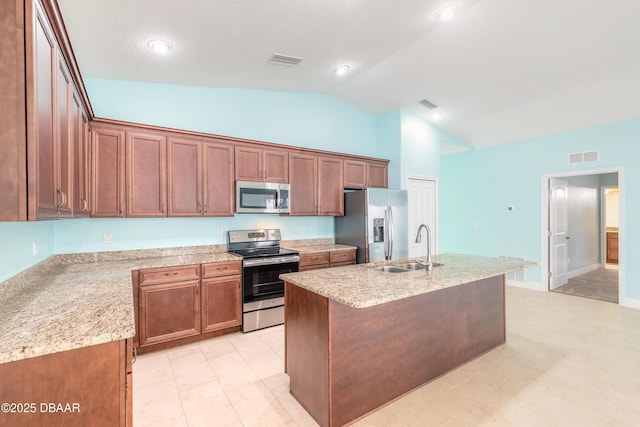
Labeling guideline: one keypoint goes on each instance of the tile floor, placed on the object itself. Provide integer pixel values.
(567, 362)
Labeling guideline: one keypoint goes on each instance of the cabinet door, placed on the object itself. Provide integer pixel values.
(303, 195)
(276, 166)
(377, 175)
(218, 179)
(43, 181)
(330, 190)
(146, 175)
(80, 148)
(221, 303)
(184, 177)
(107, 171)
(355, 174)
(248, 164)
(169, 311)
(64, 147)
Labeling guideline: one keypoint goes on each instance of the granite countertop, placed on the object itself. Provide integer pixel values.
(363, 286)
(324, 247)
(77, 300)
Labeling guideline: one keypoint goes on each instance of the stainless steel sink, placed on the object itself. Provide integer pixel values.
(404, 267)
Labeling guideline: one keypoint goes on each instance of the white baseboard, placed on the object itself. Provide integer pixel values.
(584, 270)
(527, 285)
(631, 303)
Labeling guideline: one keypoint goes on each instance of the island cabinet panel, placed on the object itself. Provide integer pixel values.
(89, 386)
(107, 171)
(345, 362)
(146, 175)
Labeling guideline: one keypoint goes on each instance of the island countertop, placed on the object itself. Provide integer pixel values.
(361, 285)
(78, 300)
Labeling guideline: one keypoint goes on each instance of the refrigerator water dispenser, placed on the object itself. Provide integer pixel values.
(378, 229)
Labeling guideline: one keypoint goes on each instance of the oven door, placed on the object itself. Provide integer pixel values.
(261, 282)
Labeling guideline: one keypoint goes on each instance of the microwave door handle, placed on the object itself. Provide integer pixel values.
(278, 200)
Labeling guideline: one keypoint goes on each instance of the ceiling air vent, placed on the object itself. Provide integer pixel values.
(430, 105)
(584, 157)
(289, 61)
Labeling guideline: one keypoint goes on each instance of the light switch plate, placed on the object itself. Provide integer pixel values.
(107, 237)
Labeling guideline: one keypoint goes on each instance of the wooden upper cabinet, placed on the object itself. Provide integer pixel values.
(146, 175)
(107, 171)
(257, 164)
(303, 174)
(364, 174)
(377, 175)
(217, 177)
(43, 165)
(330, 188)
(355, 174)
(184, 174)
(80, 144)
(200, 177)
(64, 141)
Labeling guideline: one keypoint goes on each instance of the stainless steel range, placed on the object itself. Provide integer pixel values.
(263, 261)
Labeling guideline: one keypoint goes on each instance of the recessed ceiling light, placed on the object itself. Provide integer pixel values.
(159, 46)
(341, 70)
(437, 115)
(447, 12)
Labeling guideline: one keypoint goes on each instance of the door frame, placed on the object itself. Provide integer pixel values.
(436, 219)
(545, 264)
(603, 224)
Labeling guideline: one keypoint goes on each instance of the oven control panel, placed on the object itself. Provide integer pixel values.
(259, 235)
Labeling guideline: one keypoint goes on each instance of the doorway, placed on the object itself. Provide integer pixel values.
(582, 235)
(423, 209)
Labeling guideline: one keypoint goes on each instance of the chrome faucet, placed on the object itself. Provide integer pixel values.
(428, 263)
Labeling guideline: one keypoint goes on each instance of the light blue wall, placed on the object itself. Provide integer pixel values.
(300, 119)
(420, 148)
(86, 235)
(389, 144)
(477, 186)
(16, 245)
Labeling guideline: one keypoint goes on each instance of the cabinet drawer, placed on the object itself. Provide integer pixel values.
(342, 257)
(314, 259)
(313, 267)
(216, 269)
(153, 276)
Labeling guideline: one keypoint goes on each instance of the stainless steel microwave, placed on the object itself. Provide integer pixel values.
(262, 197)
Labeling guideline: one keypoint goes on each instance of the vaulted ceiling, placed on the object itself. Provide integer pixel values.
(499, 71)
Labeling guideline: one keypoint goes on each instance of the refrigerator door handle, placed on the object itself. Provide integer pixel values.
(385, 234)
(390, 225)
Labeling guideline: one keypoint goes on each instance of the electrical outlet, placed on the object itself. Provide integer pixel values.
(219, 232)
(302, 230)
(34, 248)
(107, 237)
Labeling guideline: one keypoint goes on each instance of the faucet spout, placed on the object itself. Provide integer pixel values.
(428, 263)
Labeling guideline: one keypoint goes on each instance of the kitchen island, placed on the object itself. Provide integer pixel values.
(357, 337)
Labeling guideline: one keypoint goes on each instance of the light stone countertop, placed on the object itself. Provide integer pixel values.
(78, 300)
(325, 247)
(361, 285)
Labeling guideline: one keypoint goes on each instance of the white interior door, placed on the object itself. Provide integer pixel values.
(423, 209)
(558, 237)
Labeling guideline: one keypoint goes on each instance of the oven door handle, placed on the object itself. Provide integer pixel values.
(270, 261)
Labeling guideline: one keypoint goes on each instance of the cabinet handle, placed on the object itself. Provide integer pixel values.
(175, 273)
(121, 210)
(221, 268)
(135, 355)
(206, 208)
(197, 288)
(64, 199)
(84, 204)
(199, 207)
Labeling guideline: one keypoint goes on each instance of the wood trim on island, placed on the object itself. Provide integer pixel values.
(345, 362)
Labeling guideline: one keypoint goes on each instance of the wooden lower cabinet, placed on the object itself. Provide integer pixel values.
(612, 247)
(169, 311)
(176, 305)
(89, 386)
(318, 260)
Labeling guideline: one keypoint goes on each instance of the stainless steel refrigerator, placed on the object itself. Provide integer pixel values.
(375, 220)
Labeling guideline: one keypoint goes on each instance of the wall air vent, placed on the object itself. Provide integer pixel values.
(289, 61)
(430, 105)
(584, 157)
